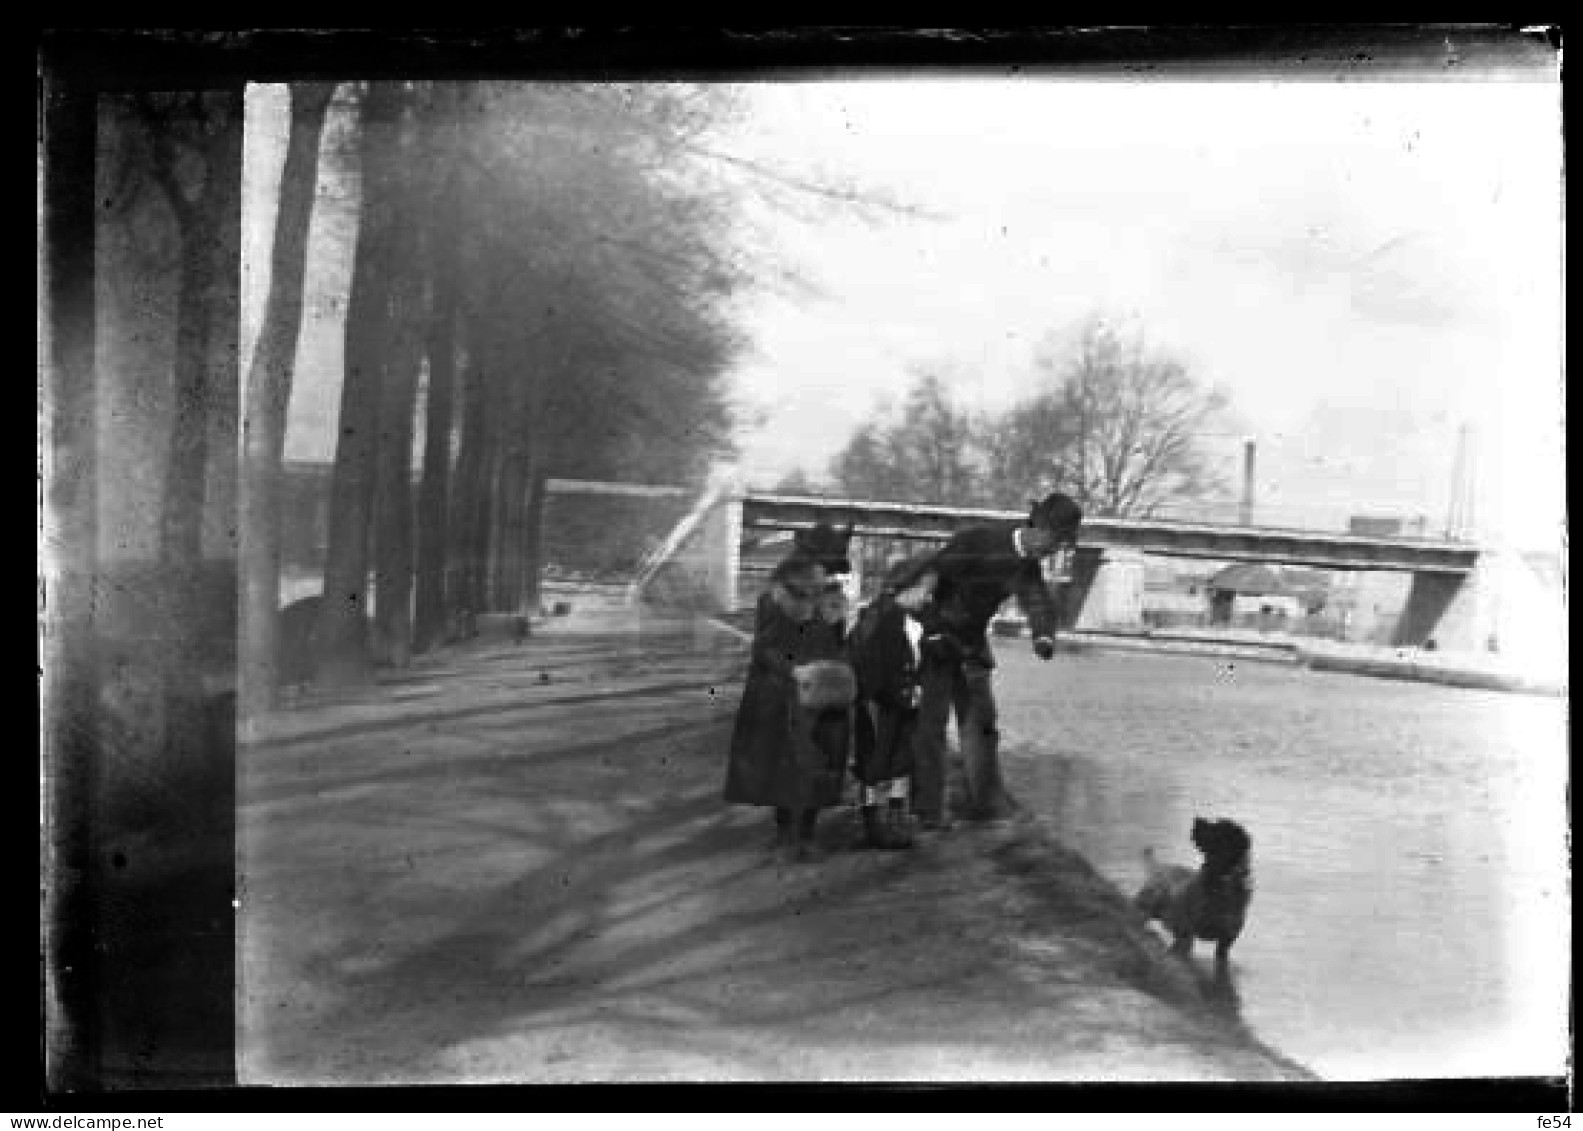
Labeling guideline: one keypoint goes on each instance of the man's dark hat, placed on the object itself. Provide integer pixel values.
(1058, 513)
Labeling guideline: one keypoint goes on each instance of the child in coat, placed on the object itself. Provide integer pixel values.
(885, 657)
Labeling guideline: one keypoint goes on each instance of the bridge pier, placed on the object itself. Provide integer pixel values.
(1106, 591)
(1444, 608)
(1073, 596)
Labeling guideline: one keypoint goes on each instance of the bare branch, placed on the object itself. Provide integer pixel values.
(862, 199)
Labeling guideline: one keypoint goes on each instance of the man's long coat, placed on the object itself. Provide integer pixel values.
(979, 569)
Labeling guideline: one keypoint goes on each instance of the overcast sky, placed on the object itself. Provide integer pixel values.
(1365, 267)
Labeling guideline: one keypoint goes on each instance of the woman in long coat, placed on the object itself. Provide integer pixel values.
(790, 743)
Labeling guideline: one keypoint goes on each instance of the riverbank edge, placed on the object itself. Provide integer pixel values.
(1131, 942)
(1019, 867)
(1161, 975)
(1407, 664)
(1447, 669)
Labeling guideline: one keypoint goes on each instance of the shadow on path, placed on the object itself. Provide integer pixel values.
(576, 902)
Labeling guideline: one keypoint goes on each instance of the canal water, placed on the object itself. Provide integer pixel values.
(1411, 916)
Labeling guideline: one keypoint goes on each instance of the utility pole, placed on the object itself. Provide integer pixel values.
(1459, 513)
(1082, 438)
(1248, 446)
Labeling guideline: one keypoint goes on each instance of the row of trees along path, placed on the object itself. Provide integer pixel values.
(541, 284)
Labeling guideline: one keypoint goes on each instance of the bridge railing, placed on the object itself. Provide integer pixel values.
(1284, 518)
(1173, 537)
(715, 560)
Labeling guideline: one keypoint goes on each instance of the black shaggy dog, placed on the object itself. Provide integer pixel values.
(1210, 904)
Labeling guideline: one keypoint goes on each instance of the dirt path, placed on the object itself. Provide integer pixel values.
(513, 865)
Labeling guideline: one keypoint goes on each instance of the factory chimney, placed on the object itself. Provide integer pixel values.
(1247, 481)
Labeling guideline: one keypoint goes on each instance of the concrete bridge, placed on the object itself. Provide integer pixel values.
(1318, 549)
(1455, 596)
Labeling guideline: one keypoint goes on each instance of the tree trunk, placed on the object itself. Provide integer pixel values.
(494, 524)
(190, 649)
(203, 397)
(268, 396)
(498, 423)
(505, 573)
(393, 502)
(181, 511)
(341, 636)
(199, 595)
(515, 393)
(480, 530)
(223, 199)
(416, 251)
(492, 515)
(511, 509)
(434, 520)
(470, 497)
(533, 542)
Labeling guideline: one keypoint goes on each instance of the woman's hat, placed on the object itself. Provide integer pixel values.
(826, 545)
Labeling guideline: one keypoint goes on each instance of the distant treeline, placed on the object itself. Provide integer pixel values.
(1119, 426)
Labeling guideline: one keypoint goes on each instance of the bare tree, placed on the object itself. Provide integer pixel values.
(341, 634)
(415, 194)
(571, 312)
(268, 394)
(1118, 426)
(796, 482)
(925, 454)
(1136, 420)
(194, 148)
(1024, 450)
(434, 512)
(864, 469)
(936, 443)
(468, 510)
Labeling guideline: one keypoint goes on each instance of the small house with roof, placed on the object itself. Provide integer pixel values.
(1250, 591)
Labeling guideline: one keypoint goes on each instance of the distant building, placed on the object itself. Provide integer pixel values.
(1367, 604)
(1387, 527)
(1311, 588)
(1175, 592)
(1374, 527)
(1252, 594)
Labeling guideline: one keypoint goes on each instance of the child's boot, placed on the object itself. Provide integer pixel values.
(785, 833)
(874, 828)
(898, 824)
(807, 848)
